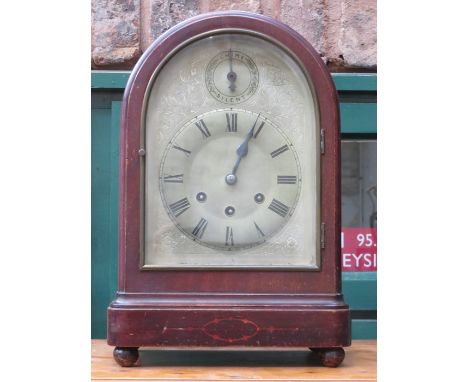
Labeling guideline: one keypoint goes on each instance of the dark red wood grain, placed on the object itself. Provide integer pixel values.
(307, 304)
(229, 327)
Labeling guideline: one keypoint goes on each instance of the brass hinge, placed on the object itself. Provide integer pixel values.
(322, 141)
(322, 235)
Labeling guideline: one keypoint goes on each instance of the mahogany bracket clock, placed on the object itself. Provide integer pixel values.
(229, 213)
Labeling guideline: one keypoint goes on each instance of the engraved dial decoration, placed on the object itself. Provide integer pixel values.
(231, 158)
(231, 77)
(230, 179)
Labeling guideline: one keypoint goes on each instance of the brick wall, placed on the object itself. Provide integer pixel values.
(342, 31)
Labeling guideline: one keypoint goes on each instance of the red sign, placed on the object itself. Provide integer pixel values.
(359, 249)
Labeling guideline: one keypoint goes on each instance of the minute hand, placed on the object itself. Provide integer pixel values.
(243, 149)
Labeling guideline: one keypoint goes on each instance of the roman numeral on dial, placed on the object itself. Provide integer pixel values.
(279, 151)
(174, 178)
(259, 231)
(286, 179)
(199, 230)
(203, 129)
(229, 237)
(179, 207)
(279, 208)
(186, 152)
(231, 119)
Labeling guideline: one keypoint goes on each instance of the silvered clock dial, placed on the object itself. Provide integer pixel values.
(231, 158)
(230, 179)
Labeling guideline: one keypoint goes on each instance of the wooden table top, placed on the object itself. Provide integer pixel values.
(224, 365)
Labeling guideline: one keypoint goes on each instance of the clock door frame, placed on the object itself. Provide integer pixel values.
(213, 307)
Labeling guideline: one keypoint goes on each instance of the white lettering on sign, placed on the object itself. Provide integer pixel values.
(361, 261)
(346, 260)
(359, 249)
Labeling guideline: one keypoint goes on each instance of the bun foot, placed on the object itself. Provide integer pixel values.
(126, 357)
(330, 357)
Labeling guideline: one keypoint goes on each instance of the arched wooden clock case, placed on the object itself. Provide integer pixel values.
(211, 307)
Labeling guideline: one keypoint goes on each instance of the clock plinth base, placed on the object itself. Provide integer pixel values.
(320, 322)
(330, 357)
(126, 356)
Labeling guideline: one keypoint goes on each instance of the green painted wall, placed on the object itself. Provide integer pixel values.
(358, 106)
(104, 211)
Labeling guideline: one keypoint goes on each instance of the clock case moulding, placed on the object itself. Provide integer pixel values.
(229, 308)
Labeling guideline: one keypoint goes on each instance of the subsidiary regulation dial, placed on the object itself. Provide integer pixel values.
(231, 77)
(230, 179)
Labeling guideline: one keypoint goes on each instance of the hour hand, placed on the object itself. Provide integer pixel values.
(241, 152)
(243, 149)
